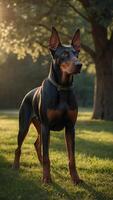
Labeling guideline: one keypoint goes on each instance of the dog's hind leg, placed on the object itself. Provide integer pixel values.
(37, 143)
(25, 115)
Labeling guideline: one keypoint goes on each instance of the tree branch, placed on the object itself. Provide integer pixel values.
(89, 50)
(41, 44)
(85, 47)
(78, 12)
(85, 3)
(44, 26)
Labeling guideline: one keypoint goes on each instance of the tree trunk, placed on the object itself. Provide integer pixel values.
(103, 98)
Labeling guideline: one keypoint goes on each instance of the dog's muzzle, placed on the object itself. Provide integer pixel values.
(78, 66)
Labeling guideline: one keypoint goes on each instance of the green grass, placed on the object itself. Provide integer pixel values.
(94, 156)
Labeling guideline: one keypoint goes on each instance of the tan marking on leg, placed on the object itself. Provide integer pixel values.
(72, 165)
(16, 163)
(37, 143)
(72, 114)
(46, 170)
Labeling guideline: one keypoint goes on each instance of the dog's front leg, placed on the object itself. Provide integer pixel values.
(45, 132)
(70, 141)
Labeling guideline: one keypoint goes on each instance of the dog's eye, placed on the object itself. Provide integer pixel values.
(65, 54)
(75, 54)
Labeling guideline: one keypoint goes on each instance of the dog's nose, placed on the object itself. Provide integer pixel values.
(79, 65)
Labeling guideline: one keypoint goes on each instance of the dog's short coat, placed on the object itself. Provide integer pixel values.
(52, 106)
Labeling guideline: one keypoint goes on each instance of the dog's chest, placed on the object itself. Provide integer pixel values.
(58, 108)
(59, 118)
(58, 105)
(62, 109)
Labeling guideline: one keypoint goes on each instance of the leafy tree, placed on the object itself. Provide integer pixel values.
(100, 16)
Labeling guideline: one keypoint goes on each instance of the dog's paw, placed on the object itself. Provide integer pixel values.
(77, 181)
(47, 180)
(15, 166)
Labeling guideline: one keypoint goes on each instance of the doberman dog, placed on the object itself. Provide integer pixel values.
(53, 106)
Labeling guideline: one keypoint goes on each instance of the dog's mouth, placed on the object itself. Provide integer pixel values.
(74, 71)
(77, 71)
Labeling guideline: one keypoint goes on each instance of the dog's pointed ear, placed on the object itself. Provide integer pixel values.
(76, 40)
(54, 40)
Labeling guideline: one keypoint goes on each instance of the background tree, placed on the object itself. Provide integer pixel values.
(100, 16)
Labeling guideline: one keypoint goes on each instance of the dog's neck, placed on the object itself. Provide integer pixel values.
(63, 79)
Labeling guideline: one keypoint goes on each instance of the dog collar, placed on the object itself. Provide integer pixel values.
(59, 87)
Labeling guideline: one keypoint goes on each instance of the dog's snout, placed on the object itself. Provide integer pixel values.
(79, 65)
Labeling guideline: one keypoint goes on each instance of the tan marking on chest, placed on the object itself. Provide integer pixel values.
(52, 114)
(72, 114)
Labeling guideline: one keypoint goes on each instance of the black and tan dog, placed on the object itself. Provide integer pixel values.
(52, 106)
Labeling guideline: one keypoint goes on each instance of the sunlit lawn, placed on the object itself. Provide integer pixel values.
(94, 155)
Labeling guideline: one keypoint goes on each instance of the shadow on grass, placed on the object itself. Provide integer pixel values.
(23, 185)
(93, 192)
(95, 126)
(16, 185)
(83, 190)
(91, 148)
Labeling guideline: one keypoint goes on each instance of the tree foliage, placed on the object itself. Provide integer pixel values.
(25, 25)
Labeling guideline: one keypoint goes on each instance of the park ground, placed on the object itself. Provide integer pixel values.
(94, 156)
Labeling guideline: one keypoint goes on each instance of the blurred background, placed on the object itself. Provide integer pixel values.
(25, 28)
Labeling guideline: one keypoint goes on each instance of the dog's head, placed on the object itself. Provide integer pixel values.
(66, 56)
